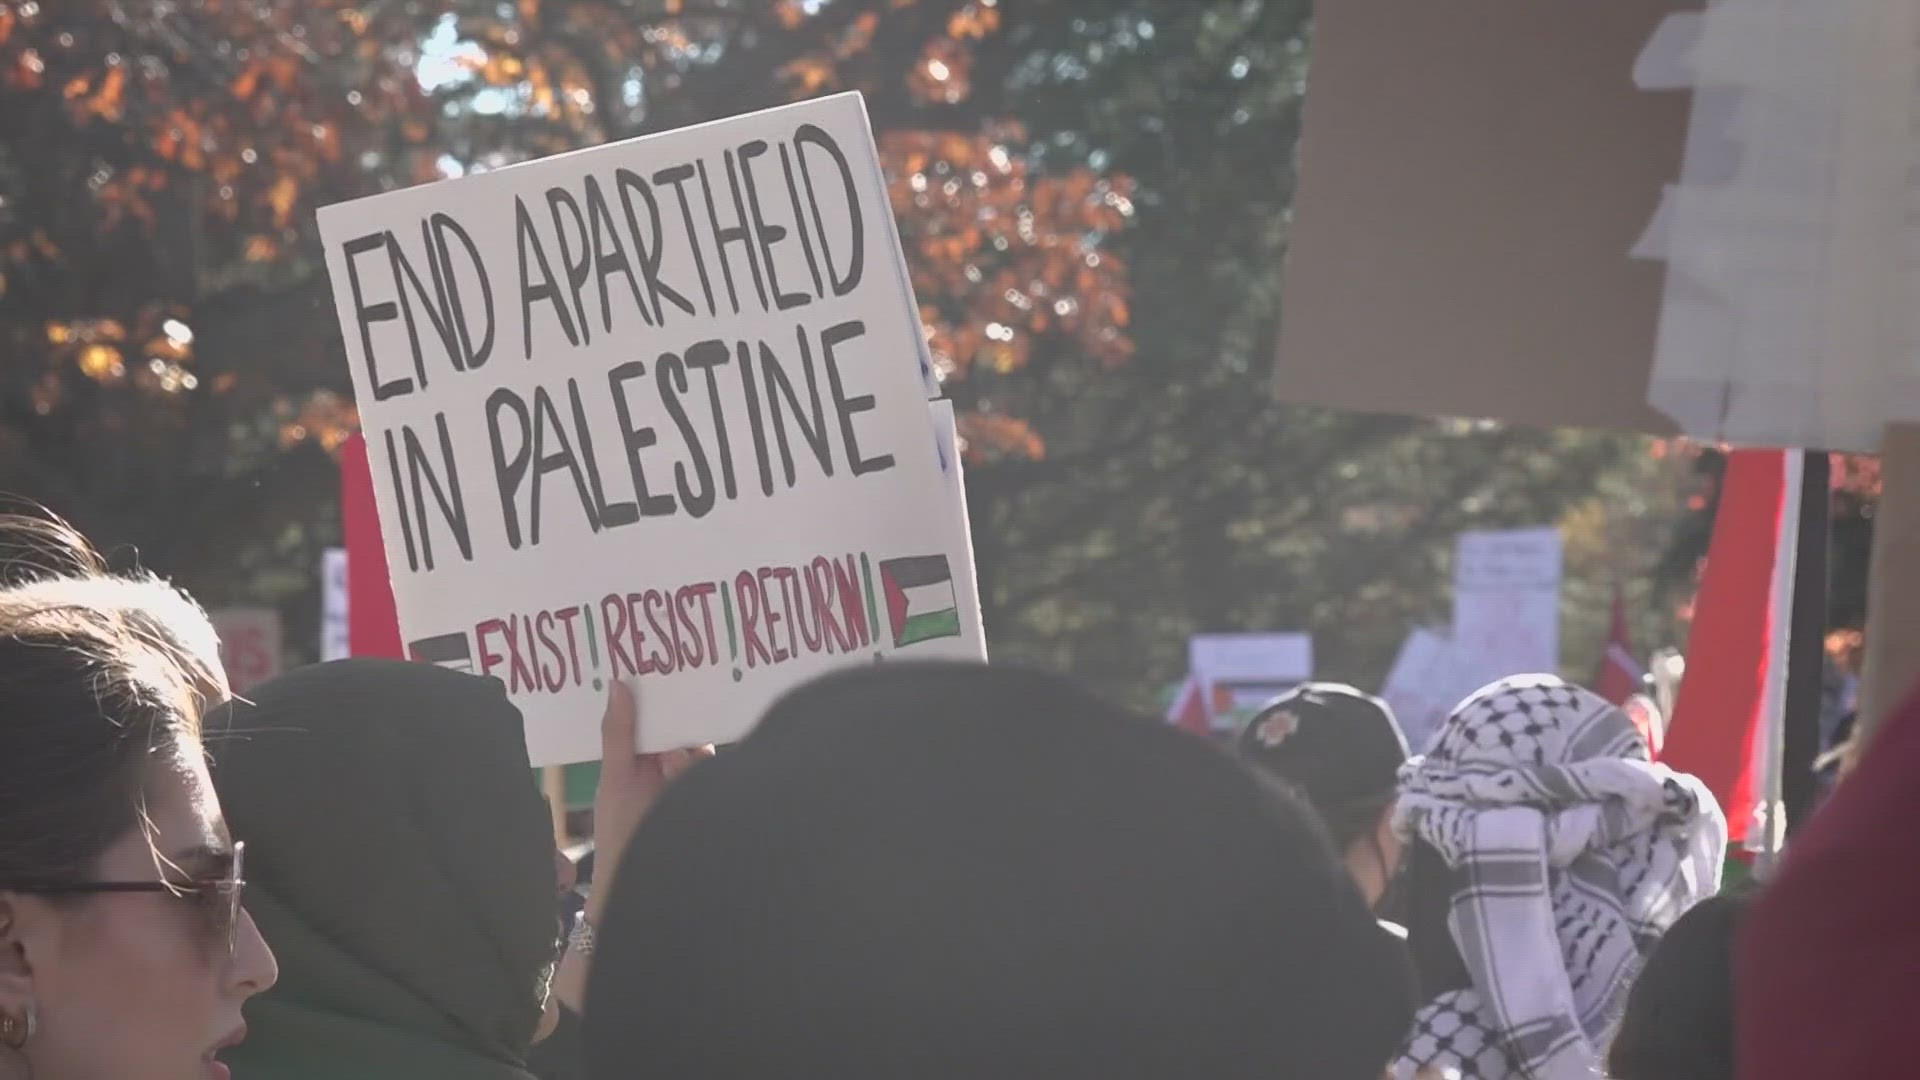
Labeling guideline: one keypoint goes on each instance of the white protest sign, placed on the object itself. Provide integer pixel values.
(1506, 603)
(1252, 667)
(654, 411)
(334, 637)
(249, 645)
(947, 442)
(1427, 680)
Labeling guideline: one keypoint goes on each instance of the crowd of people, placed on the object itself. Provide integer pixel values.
(908, 870)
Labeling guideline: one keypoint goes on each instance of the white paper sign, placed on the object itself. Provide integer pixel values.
(249, 645)
(1791, 257)
(335, 643)
(654, 411)
(947, 443)
(1427, 680)
(1506, 603)
(1253, 667)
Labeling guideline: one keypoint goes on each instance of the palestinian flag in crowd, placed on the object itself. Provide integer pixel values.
(447, 650)
(921, 603)
(1192, 710)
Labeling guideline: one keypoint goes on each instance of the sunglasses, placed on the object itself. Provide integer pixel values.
(218, 900)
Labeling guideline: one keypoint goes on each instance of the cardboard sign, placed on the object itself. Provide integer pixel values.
(249, 645)
(1473, 180)
(1506, 604)
(654, 411)
(335, 636)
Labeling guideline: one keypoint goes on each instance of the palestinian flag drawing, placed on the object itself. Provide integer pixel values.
(447, 650)
(921, 604)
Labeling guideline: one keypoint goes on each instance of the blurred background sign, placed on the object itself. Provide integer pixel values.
(335, 639)
(1247, 670)
(249, 644)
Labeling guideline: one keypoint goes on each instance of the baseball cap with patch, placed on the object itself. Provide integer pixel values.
(1336, 745)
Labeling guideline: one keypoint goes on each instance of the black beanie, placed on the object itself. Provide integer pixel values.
(949, 872)
(1339, 748)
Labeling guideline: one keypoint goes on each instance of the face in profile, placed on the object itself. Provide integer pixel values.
(129, 980)
(1374, 859)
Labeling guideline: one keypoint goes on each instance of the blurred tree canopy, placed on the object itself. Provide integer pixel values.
(1094, 197)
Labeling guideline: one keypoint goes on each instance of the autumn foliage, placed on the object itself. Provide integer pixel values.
(1093, 197)
(155, 157)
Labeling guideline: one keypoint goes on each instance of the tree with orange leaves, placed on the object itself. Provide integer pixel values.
(167, 376)
(161, 299)
(1094, 199)
(1009, 254)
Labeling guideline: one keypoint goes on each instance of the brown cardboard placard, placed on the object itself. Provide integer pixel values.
(1473, 179)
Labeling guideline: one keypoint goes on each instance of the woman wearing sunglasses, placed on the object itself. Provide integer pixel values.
(124, 951)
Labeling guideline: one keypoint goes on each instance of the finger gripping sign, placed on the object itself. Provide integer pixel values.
(655, 411)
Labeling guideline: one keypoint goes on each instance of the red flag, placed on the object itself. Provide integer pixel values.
(1620, 672)
(373, 625)
(1717, 719)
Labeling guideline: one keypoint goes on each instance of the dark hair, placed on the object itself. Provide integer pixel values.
(1430, 886)
(1678, 1023)
(948, 871)
(96, 681)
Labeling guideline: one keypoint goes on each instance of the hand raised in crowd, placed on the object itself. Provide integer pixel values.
(630, 783)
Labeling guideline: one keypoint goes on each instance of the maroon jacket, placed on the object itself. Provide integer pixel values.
(1827, 979)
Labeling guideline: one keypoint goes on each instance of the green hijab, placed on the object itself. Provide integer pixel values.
(400, 864)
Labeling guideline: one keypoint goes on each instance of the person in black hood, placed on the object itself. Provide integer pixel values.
(401, 860)
(949, 872)
(406, 870)
(1678, 1023)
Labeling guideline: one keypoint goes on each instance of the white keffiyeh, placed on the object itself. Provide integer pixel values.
(1571, 855)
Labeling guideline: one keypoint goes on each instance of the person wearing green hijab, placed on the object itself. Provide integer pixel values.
(401, 862)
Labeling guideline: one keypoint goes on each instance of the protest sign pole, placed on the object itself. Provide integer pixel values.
(553, 784)
(1806, 647)
(1768, 833)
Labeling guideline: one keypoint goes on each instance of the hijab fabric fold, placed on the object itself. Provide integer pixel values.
(401, 866)
(1569, 854)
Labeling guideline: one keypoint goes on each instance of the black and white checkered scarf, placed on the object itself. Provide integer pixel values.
(1571, 854)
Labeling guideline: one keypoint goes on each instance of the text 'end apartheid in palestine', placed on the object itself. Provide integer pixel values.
(610, 395)
(767, 412)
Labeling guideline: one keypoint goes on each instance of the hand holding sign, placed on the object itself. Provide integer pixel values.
(630, 783)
